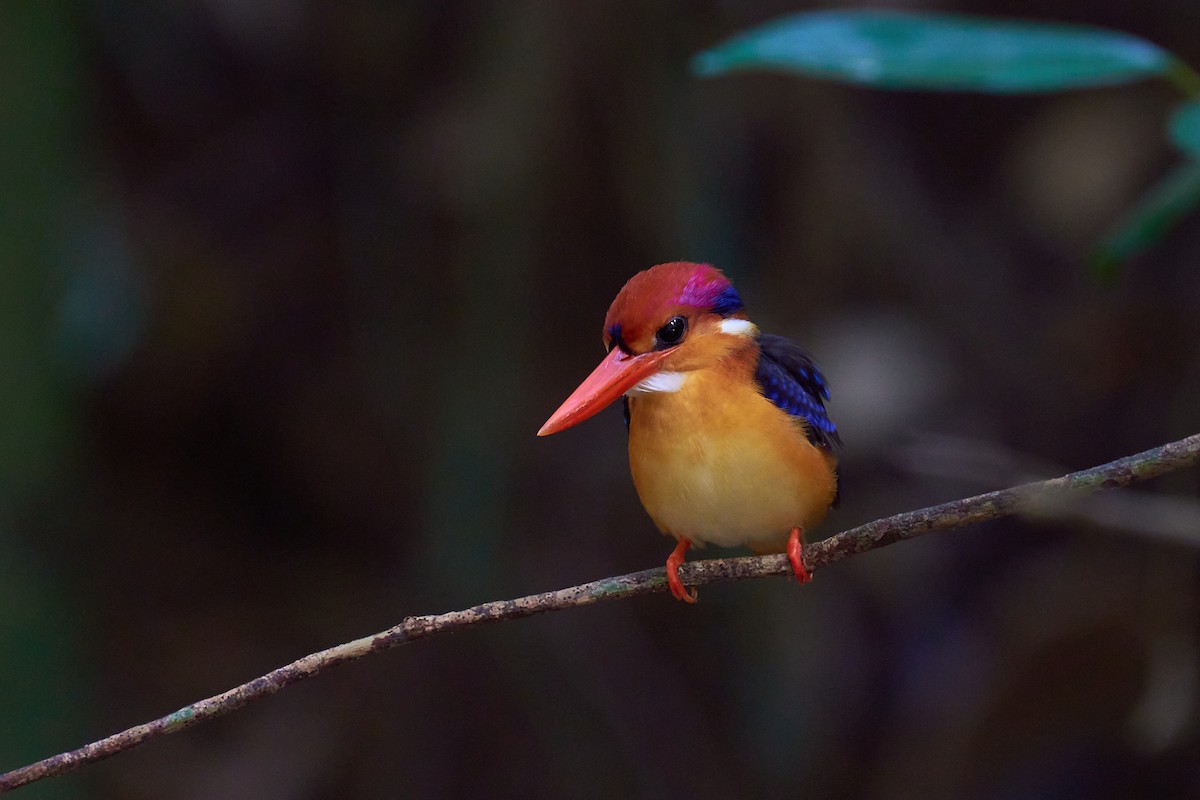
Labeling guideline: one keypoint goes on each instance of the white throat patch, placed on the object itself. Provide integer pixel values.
(660, 382)
(737, 327)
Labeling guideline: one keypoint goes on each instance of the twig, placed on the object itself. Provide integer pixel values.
(1028, 498)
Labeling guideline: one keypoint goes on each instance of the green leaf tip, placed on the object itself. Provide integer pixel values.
(899, 50)
(707, 63)
(1184, 128)
(1151, 219)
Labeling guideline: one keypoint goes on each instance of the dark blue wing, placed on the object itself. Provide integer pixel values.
(787, 377)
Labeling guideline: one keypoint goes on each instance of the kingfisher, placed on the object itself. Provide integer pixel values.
(729, 440)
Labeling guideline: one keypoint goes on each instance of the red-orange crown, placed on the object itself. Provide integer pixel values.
(652, 295)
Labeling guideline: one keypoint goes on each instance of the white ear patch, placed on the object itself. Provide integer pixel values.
(660, 382)
(737, 327)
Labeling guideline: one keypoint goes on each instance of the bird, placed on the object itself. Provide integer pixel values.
(729, 440)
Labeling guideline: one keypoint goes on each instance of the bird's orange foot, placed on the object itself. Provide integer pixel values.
(795, 550)
(673, 562)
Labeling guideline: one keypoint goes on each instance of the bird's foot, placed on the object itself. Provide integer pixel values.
(795, 554)
(673, 562)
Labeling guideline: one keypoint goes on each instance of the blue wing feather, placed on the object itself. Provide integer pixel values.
(787, 376)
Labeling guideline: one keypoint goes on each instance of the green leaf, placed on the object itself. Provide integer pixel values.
(1150, 220)
(1184, 128)
(899, 50)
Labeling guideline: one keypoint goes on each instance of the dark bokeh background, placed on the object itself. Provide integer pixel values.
(287, 287)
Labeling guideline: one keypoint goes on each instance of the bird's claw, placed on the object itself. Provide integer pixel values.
(680, 591)
(676, 586)
(795, 554)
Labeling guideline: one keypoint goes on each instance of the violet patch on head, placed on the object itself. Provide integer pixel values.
(710, 290)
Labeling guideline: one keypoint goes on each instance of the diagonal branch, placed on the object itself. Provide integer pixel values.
(1044, 497)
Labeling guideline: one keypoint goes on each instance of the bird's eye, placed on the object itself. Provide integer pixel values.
(671, 333)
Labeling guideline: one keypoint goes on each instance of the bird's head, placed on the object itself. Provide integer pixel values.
(667, 321)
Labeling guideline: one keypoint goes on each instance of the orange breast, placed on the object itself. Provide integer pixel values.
(718, 462)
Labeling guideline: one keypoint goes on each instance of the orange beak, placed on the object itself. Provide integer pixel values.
(617, 374)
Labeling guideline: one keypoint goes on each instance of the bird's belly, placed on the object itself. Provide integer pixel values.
(740, 482)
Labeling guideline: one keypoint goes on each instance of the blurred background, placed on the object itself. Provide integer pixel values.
(287, 287)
